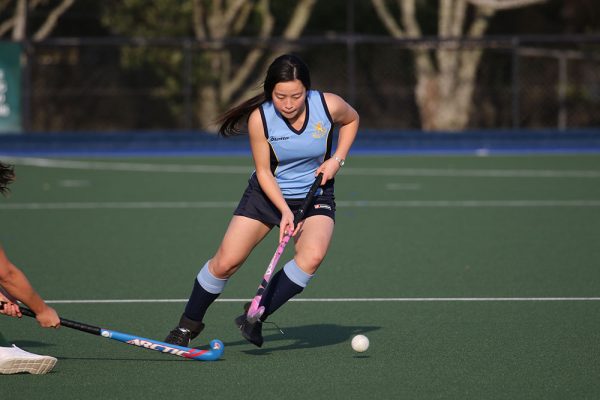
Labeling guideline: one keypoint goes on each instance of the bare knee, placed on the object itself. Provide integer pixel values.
(223, 266)
(309, 261)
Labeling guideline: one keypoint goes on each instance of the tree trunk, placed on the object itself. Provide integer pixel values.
(444, 98)
(446, 76)
(208, 107)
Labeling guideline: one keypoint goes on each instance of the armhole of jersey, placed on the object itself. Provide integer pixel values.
(329, 145)
(274, 162)
(330, 133)
(325, 107)
(264, 121)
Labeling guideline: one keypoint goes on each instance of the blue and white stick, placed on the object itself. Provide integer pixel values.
(214, 353)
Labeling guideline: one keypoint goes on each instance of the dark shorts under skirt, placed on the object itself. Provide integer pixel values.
(256, 205)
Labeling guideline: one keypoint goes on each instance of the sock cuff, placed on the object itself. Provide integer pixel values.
(209, 282)
(296, 275)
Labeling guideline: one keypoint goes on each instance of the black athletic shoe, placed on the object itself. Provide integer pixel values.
(252, 332)
(185, 332)
(179, 337)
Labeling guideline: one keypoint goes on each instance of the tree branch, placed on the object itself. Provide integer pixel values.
(388, 20)
(460, 10)
(504, 4)
(242, 18)
(34, 3)
(294, 29)
(243, 72)
(299, 19)
(20, 26)
(198, 20)
(232, 12)
(444, 18)
(409, 18)
(6, 26)
(481, 22)
(52, 19)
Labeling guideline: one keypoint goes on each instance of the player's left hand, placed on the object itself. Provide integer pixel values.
(286, 224)
(48, 318)
(9, 308)
(329, 168)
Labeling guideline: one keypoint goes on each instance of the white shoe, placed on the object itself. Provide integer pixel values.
(13, 360)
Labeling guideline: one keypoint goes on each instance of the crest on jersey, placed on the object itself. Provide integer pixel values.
(319, 130)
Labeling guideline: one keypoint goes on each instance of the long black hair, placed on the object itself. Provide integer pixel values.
(7, 175)
(285, 68)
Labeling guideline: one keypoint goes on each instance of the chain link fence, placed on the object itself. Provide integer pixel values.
(127, 85)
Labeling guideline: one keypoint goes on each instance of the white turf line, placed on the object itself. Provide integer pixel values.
(213, 169)
(246, 170)
(145, 205)
(342, 300)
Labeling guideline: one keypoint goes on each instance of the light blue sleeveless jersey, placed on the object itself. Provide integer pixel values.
(296, 154)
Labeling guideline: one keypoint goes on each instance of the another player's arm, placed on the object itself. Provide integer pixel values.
(344, 115)
(261, 152)
(16, 284)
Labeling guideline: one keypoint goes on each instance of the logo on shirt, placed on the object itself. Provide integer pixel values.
(278, 139)
(319, 130)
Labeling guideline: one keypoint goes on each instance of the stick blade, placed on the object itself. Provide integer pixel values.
(214, 353)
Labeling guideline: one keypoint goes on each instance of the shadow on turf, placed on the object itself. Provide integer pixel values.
(304, 337)
(27, 344)
(301, 337)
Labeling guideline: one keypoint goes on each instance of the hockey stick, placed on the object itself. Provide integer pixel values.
(255, 311)
(215, 352)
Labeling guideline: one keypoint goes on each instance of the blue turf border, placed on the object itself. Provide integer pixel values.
(178, 143)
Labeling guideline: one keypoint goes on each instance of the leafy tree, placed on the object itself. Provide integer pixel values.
(222, 72)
